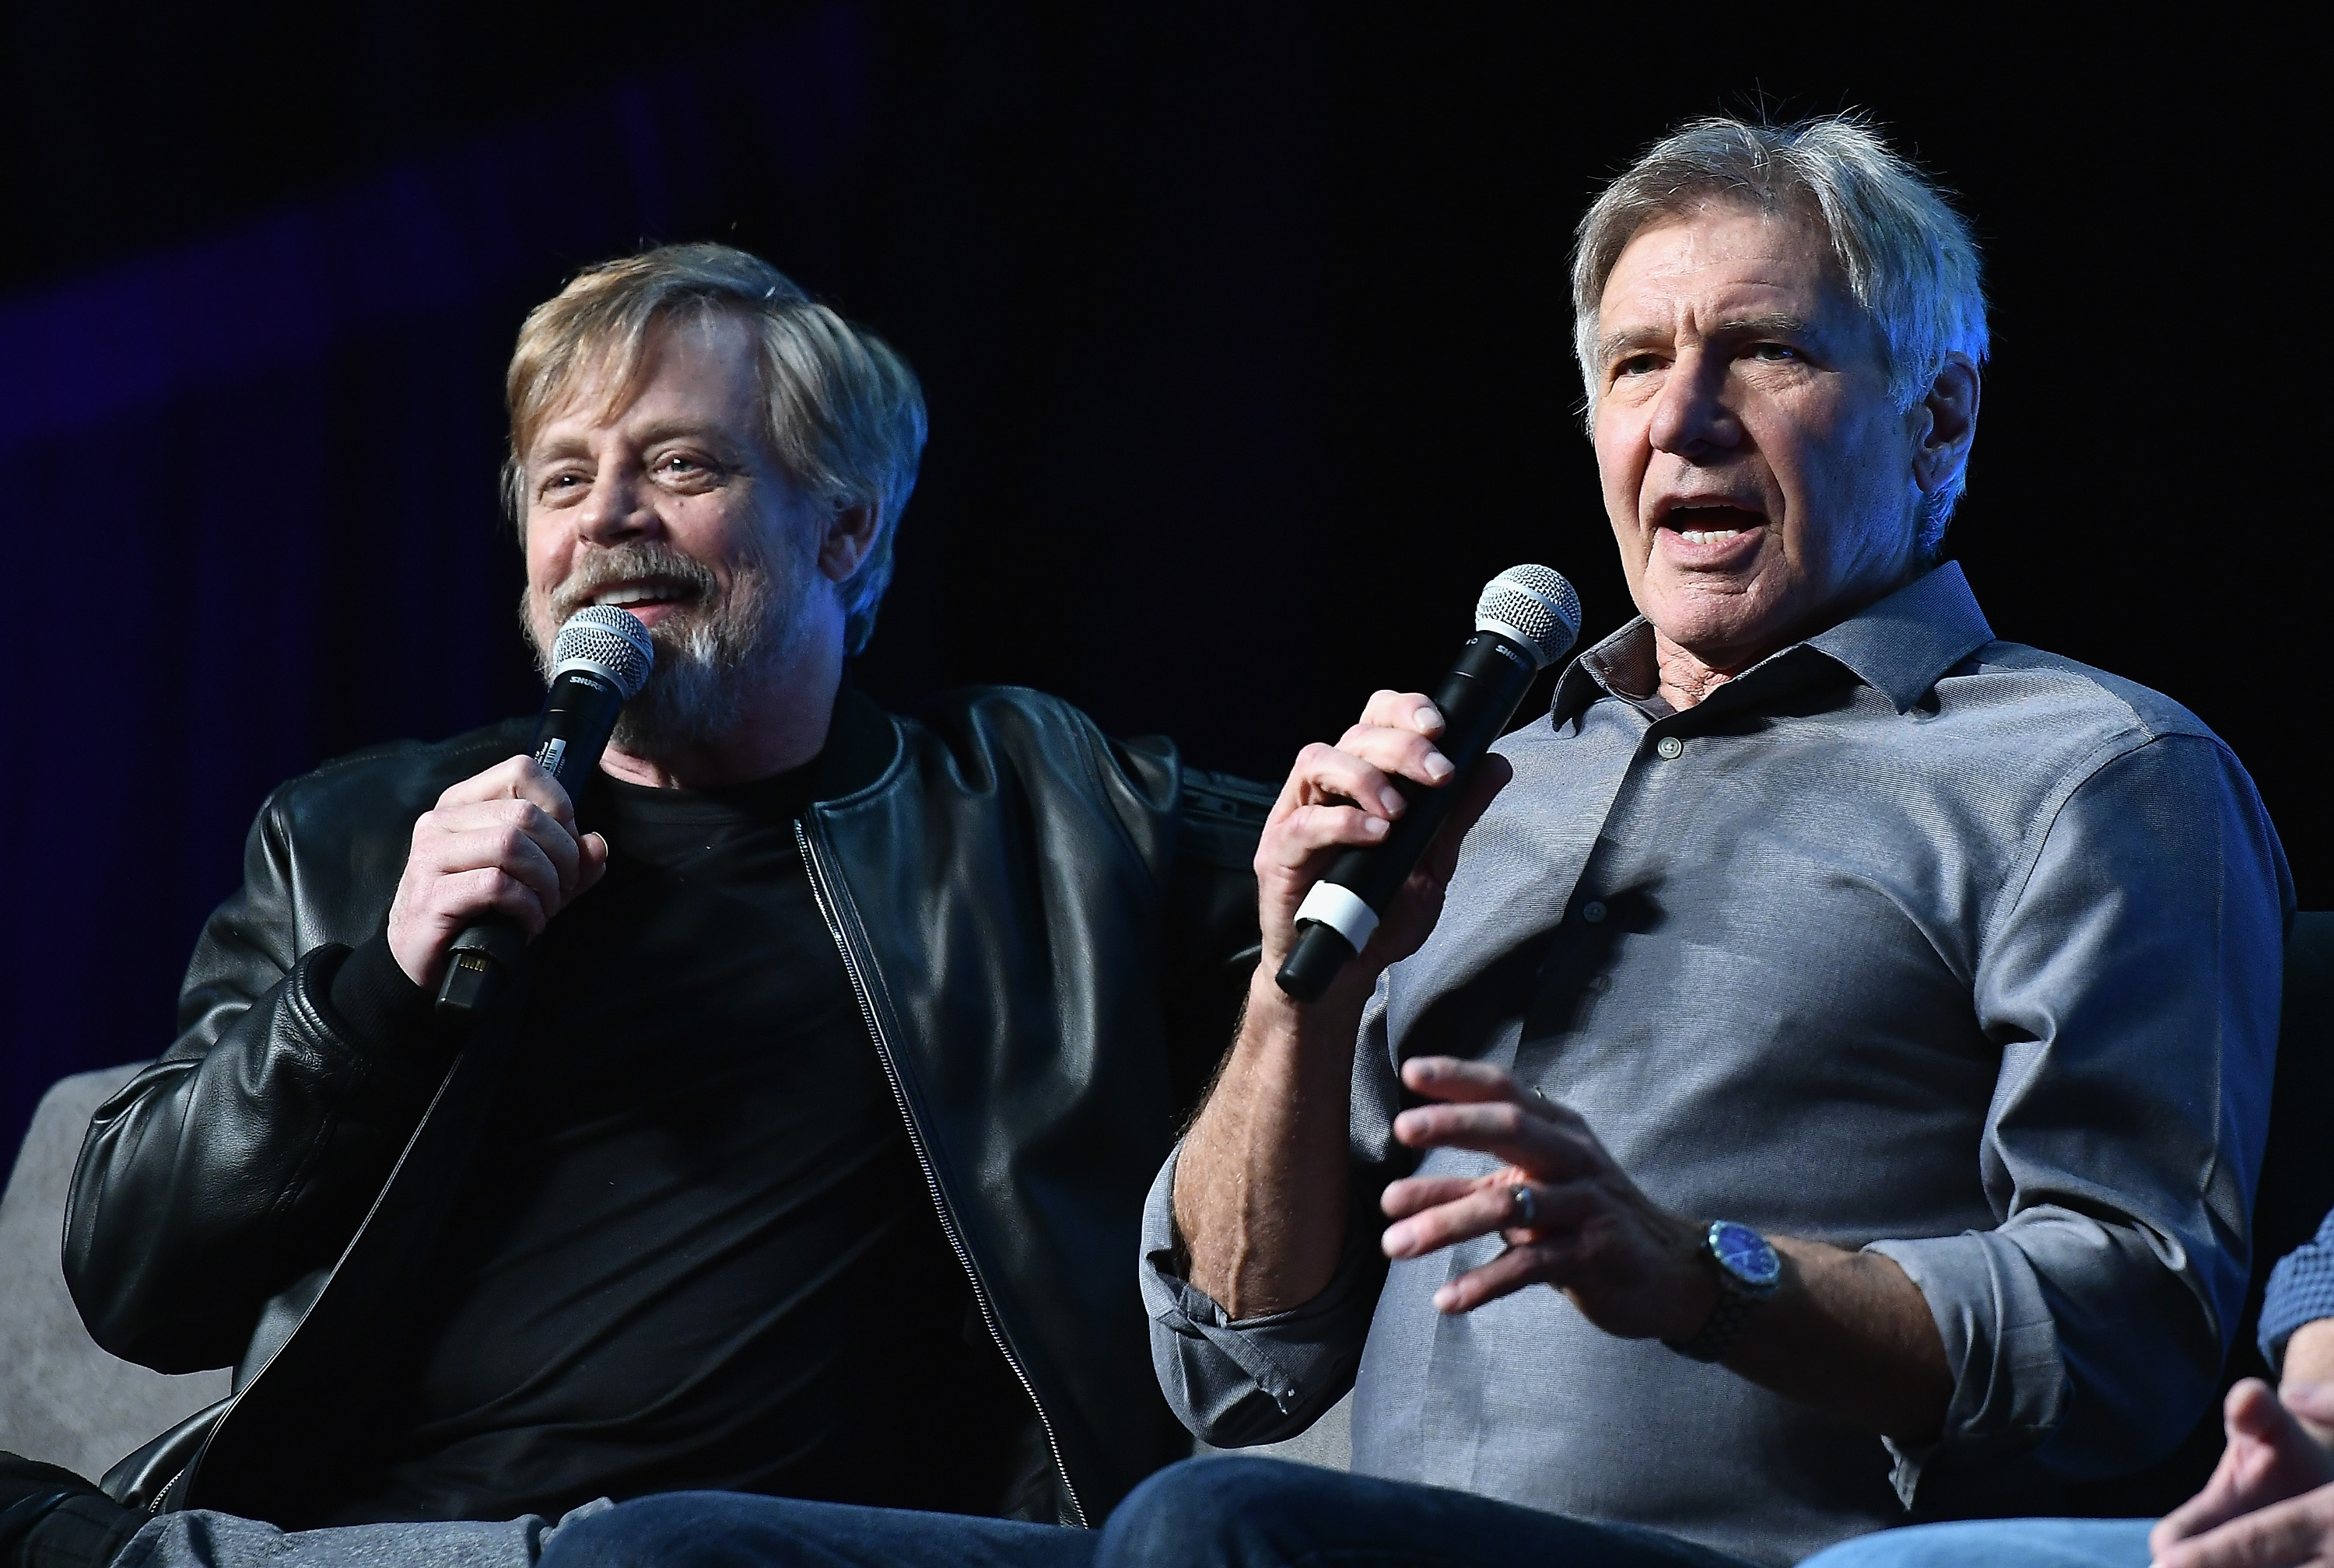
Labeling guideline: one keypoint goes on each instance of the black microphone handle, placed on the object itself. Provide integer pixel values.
(578, 716)
(1476, 699)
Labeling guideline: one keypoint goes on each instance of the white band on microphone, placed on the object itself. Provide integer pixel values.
(1336, 908)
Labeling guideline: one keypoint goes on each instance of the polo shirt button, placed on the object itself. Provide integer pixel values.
(1671, 747)
(1591, 911)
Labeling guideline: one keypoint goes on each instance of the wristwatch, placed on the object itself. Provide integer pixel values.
(1747, 1273)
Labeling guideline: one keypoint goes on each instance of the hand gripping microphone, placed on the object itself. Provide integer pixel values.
(600, 661)
(1527, 617)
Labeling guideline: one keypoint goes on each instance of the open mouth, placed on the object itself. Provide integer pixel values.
(1712, 524)
(650, 594)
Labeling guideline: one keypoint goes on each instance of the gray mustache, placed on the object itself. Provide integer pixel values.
(633, 561)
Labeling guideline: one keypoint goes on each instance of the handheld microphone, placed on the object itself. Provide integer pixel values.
(599, 662)
(1527, 617)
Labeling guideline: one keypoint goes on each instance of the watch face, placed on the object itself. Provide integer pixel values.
(1744, 1254)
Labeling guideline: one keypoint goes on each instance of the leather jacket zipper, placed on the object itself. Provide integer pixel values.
(858, 970)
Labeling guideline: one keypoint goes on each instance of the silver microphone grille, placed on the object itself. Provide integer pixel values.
(608, 641)
(1533, 606)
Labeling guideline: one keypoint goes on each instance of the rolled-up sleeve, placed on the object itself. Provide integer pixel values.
(1238, 1382)
(2301, 1291)
(2130, 973)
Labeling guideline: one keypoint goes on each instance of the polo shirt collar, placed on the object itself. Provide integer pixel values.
(1899, 646)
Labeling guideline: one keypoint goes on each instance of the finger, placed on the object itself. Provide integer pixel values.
(465, 837)
(2257, 1420)
(550, 836)
(591, 863)
(1412, 1194)
(2252, 1409)
(540, 788)
(507, 810)
(1557, 1211)
(513, 779)
(1328, 772)
(1411, 710)
(2282, 1536)
(495, 783)
(1534, 1143)
(504, 847)
(1503, 1275)
(2219, 1502)
(1398, 751)
(1455, 1079)
(2254, 1422)
(2191, 1519)
(460, 899)
(1477, 1213)
(477, 830)
(1301, 838)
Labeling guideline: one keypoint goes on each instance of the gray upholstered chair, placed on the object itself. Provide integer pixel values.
(62, 1399)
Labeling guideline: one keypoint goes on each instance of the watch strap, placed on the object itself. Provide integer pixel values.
(1719, 1329)
(1738, 1294)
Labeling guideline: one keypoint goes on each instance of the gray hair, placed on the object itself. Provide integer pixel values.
(845, 414)
(1907, 256)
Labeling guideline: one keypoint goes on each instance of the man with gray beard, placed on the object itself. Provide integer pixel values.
(806, 1152)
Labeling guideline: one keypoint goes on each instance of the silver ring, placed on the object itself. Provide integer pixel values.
(1526, 1206)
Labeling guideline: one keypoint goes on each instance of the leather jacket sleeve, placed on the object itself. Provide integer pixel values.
(247, 1156)
(1211, 939)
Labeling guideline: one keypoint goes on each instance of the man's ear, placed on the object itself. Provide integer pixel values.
(850, 535)
(1946, 424)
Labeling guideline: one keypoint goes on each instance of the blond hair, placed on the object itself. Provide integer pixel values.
(845, 416)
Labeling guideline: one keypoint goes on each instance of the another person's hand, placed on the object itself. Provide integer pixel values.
(2271, 1501)
(1632, 1268)
(2298, 1532)
(503, 840)
(1343, 797)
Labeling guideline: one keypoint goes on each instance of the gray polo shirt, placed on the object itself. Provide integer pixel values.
(1905, 938)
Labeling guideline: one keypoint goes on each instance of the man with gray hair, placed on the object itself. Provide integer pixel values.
(1862, 1025)
(806, 1152)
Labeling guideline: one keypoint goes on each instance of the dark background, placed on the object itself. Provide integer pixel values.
(1245, 336)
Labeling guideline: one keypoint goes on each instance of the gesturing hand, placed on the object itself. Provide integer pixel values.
(503, 840)
(1632, 1269)
(1344, 797)
(2271, 1501)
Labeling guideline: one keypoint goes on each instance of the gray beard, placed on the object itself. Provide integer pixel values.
(710, 656)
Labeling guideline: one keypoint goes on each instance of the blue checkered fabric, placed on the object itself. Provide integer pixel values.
(2301, 1291)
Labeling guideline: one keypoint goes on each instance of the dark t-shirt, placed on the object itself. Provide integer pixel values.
(696, 1249)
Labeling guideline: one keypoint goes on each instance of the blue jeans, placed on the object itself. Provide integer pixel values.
(738, 1530)
(2009, 1543)
(1217, 1513)
(1268, 1514)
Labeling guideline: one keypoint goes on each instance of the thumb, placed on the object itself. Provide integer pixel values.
(590, 861)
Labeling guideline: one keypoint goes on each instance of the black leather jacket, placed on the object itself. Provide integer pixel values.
(1048, 932)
